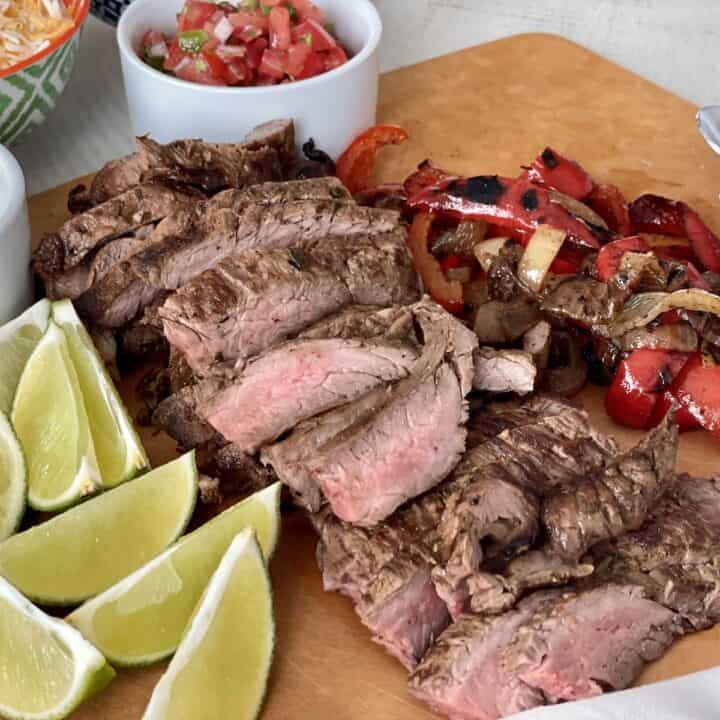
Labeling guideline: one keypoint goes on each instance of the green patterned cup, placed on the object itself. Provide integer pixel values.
(29, 90)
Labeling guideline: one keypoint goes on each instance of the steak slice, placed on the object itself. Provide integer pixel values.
(554, 646)
(609, 503)
(386, 572)
(122, 215)
(398, 442)
(252, 300)
(208, 166)
(178, 417)
(675, 556)
(365, 321)
(589, 642)
(504, 371)
(186, 245)
(463, 675)
(299, 380)
(276, 134)
(493, 505)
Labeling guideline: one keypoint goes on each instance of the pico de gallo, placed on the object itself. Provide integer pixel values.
(629, 291)
(244, 43)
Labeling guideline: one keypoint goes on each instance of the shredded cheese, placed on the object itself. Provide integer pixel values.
(28, 26)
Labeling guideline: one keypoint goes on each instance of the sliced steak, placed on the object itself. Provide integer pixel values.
(504, 371)
(122, 215)
(554, 646)
(253, 300)
(611, 502)
(365, 321)
(299, 380)
(184, 246)
(463, 675)
(258, 158)
(399, 442)
(675, 556)
(493, 502)
(589, 642)
(386, 572)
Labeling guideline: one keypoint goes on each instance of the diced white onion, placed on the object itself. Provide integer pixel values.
(223, 30)
(487, 250)
(158, 50)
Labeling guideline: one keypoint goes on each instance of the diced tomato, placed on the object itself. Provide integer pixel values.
(315, 35)
(334, 58)
(195, 14)
(610, 204)
(255, 50)
(355, 165)
(273, 63)
(641, 380)
(697, 389)
(175, 56)
(247, 19)
(448, 293)
(314, 65)
(205, 68)
(297, 56)
(238, 72)
(610, 255)
(280, 32)
(307, 10)
(554, 171)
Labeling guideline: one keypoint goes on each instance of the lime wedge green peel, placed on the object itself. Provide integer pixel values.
(141, 619)
(118, 448)
(89, 548)
(13, 486)
(46, 667)
(53, 428)
(18, 339)
(222, 665)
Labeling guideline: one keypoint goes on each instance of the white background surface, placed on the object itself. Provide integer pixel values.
(675, 43)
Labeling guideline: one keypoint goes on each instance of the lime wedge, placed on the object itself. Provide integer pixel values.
(120, 453)
(13, 486)
(141, 619)
(87, 549)
(46, 667)
(221, 668)
(18, 339)
(53, 428)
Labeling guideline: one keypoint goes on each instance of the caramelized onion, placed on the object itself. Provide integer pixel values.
(539, 255)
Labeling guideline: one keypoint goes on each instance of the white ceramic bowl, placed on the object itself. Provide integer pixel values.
(15, 280)
(332, 108)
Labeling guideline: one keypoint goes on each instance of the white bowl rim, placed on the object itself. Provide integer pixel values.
(12, 175)
(127, 51)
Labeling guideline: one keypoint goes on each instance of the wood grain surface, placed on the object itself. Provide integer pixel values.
(485, 110)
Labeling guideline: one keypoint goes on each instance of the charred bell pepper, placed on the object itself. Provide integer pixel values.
(552, 170)
(355, 165)
(518, 206)
(448, 293)
(656, 214)
(697, 389)
(427, 175)
(610, 204)
(610, 256)
(642, 379)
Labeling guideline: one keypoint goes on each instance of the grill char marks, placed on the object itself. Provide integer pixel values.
(255, 299)
(615, 501)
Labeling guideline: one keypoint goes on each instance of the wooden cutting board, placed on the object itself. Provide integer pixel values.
(488, 109)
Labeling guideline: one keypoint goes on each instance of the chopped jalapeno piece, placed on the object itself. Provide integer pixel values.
(192, 41)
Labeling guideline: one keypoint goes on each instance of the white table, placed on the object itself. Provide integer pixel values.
(676, 44)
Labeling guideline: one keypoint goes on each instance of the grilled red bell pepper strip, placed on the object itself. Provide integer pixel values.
(656, 214)
(426, 175)
(552, 170)
(610, 204)
(517, 205)
(610, 255)
(355, 165)
(641, 380)
(448, 293)
(697, 389)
